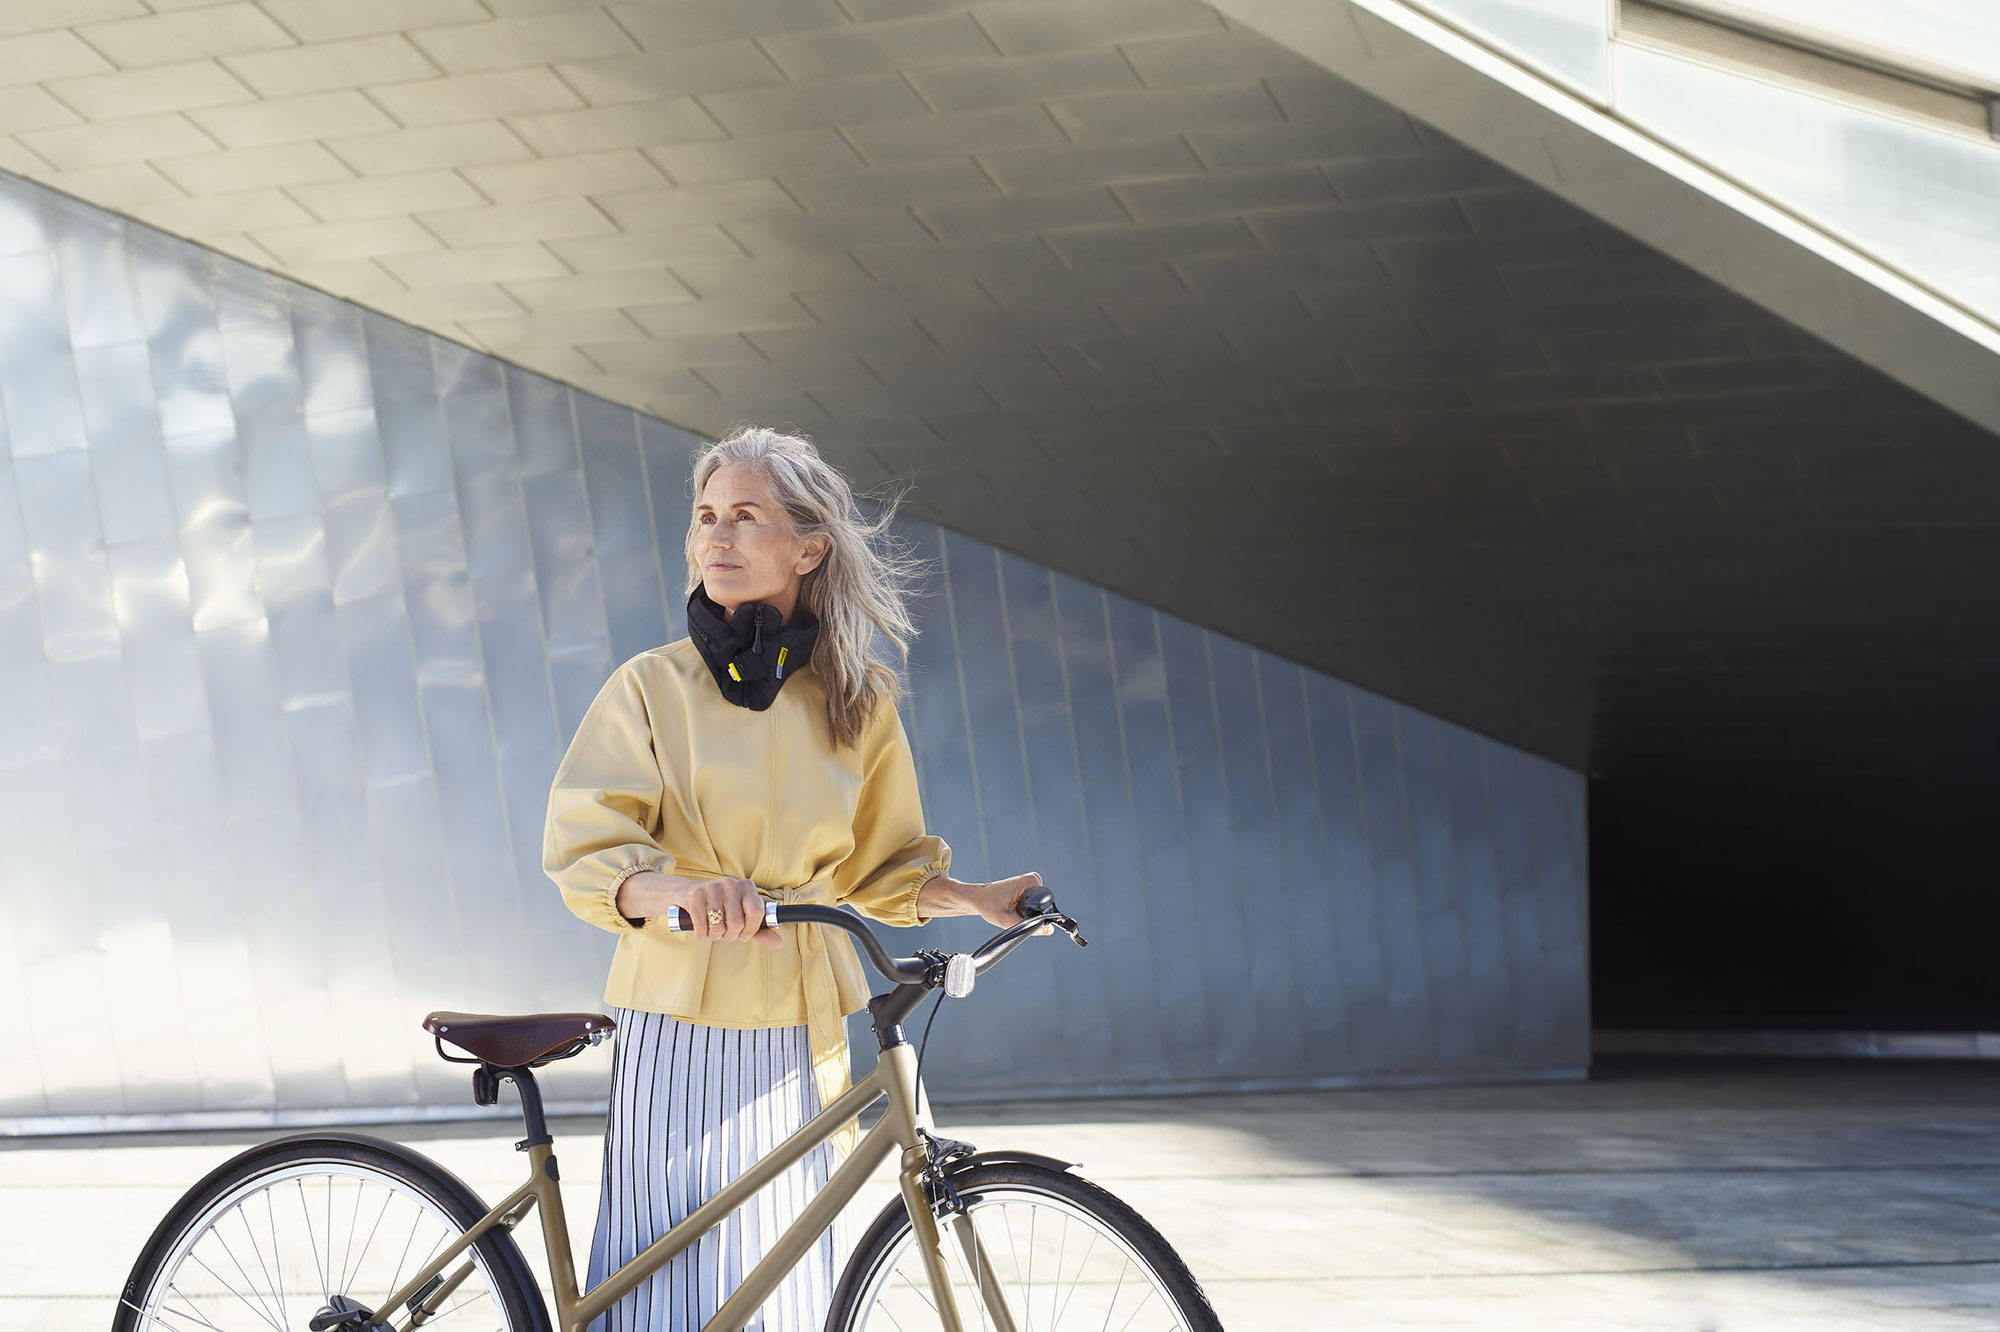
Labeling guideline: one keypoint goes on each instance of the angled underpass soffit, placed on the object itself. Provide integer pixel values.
(1559, 118)
(1140, 292)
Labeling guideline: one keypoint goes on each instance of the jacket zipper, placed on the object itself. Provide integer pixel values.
(771, 836)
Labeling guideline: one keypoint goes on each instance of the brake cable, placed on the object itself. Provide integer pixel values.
(944, 1197)
(936, 1004)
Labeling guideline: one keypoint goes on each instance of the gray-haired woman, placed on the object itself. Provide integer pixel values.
(760, 757)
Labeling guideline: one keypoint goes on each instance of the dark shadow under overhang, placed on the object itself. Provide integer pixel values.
(1541, 436)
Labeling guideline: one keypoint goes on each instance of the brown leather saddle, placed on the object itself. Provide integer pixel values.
(519, 1042)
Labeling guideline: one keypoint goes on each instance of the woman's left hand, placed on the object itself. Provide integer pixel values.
(994, 902)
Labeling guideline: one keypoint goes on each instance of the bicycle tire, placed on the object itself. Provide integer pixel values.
(866, 1298)
(335, 1165)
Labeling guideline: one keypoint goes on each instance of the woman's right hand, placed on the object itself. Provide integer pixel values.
(741, 908)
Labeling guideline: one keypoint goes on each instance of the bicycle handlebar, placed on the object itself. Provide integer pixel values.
(1037, 907)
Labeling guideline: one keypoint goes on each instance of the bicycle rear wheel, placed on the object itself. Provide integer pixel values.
(1050, 1248)
(317, 1225)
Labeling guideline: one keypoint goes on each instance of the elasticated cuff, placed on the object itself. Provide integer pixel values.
(623, 924)
(930, 871)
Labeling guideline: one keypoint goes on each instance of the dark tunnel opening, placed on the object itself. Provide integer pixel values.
(1819, 904)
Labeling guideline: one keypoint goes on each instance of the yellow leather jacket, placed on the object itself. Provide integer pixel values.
(666, 774)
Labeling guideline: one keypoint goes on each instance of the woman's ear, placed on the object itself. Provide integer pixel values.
(815, 553)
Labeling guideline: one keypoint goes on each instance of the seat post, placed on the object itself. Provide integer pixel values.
(531, 1106)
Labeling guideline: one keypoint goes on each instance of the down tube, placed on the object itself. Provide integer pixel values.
(763, 1279)
(732, 1196)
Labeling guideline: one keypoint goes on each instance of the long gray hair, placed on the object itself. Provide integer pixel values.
(861, 586)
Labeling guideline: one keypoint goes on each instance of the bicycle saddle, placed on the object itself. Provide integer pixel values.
(515, 1042)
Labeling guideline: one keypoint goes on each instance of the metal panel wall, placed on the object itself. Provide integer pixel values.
(299, 607)
(1290, 881)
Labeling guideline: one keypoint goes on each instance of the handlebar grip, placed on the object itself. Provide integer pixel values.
(680, 922)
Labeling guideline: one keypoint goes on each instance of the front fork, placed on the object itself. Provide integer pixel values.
(950, 1209)
(928, 1196)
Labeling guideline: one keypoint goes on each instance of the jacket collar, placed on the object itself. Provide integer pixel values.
(752, 652)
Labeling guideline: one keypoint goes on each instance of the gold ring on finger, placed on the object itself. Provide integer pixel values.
(715, 917)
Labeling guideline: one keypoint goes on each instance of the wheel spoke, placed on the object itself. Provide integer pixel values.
(1015, 1250)
(347, 1247)
(1106, 1324)
(241, 1211)
(331, 1292)
(921, 1294)
(241, 1298)
(474, 1299)
(155, 1317)
(1135, 1309)
(200, 1280)
(431, 1257)
(1028, 1295)
(1055, 1295)
(895, 1320)
(1064, 1236)
(196, 1314)
(396, 1281)
(970, 1250)
(1081, 1265)
(277, 1254)
(306, 1216)
(263, 1306)
(387, 1197)
(162, 1313)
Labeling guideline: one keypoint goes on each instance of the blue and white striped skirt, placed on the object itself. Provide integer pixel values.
(691, 1108)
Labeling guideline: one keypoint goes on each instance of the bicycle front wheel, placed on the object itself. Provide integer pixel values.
(1036, 1249)
(317, 1227)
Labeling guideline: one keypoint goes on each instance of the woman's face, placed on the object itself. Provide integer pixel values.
(744, 542)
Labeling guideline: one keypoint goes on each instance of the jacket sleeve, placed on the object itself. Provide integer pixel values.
(603, 806)
(893, 856)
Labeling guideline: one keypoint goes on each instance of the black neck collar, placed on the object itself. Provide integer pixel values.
(752, 652)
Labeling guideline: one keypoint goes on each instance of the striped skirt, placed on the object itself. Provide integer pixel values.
(691, 1108)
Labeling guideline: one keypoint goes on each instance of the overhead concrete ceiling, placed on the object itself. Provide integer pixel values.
(1130, 288)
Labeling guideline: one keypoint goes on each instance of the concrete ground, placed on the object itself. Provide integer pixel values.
(1661, 1195)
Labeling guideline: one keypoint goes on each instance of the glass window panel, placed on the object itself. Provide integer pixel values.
(1923, 201)
(1562, 37)
(1943, 36)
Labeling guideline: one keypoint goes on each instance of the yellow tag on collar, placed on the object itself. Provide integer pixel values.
(732, 673)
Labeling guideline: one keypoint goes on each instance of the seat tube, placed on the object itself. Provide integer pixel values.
(555, 1231)
(905, 1105)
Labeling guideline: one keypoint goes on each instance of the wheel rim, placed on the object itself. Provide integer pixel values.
(273, 1250)
(1058, 1266)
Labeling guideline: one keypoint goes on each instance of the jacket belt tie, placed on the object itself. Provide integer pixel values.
(826, 1029)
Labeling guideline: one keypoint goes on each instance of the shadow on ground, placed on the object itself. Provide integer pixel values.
(1872, 1188)
(1658, 1194)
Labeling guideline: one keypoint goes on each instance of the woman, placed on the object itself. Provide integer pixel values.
(761, 757)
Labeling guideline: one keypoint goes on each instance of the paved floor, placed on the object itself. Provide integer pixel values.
(1669, 1196)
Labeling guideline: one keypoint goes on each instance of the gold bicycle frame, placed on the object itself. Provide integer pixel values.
(894, 1076)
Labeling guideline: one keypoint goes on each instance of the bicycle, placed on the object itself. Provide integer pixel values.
(282, 1237)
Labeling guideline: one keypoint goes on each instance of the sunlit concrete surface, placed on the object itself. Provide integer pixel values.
(1674, 1196)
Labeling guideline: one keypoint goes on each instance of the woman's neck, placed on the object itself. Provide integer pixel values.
(783, 603)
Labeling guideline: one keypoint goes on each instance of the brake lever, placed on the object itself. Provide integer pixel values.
(1039, 905)
(1071, 928)
(1028, 924)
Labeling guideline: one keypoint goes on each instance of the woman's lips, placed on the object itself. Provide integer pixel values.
(724, 566)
